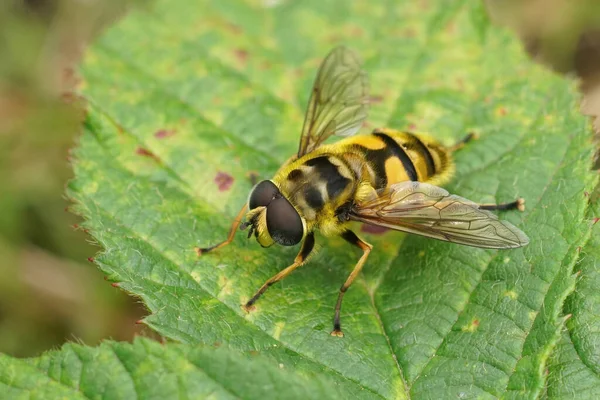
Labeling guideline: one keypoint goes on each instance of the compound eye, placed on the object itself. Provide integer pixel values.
(262, 194)
(284, 223)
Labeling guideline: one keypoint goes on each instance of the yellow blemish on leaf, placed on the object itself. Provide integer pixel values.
(196, 276)
(500, 111)
(532, 315)
(506, 260)
(91, 187)
(512, 294)
(422, 253)
(278, 329)
(472, 327)
(225, 285)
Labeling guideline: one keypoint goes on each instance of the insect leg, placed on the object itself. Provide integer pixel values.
(234, 226)
(518, 204)
(350, 237)
(461, 143)
(305, 250)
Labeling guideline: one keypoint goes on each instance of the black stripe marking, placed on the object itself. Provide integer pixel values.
(399, 152)
(329, 172)
(295, 175)
(427, 154)
(376, 159)
(313, 197)
(307, 246)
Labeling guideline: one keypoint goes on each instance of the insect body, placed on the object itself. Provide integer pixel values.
(387, 178)
(324, 184)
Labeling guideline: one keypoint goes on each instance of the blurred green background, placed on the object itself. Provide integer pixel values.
(49, 292)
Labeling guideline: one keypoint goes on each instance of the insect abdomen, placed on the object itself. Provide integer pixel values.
(395, 157)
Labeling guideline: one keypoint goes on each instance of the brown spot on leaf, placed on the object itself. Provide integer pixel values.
(163, 133)
(236, 29)
(120, 128)
(241, 55)
(68, 97)
(91, 259)
(472, 327)
(373, 229)
(115, 284)
(223, 181)
(253, 177)
(376, 99)
(357, 31)
(409, 32)
(412, 127)
(146, 153)
(595, 220)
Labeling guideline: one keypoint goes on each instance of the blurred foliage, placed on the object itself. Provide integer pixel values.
(563, 34)
(48, 293)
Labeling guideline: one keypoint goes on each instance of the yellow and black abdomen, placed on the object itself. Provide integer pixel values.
(394, 156)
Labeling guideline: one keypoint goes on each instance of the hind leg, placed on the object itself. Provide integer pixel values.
(461, 143)
(518, 204)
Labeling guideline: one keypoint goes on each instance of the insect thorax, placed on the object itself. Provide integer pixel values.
(318, 184)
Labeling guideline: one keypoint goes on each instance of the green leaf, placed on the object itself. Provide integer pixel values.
(574, 369)
(180, 99)
(149, 370)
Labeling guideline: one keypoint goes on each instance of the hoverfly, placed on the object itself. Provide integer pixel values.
(387, 178)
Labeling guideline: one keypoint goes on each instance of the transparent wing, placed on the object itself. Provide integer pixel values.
(339, 100)
(431, 211)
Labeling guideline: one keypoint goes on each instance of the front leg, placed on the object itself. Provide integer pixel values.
(351, 238)
(234, 226)
(305, 250)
